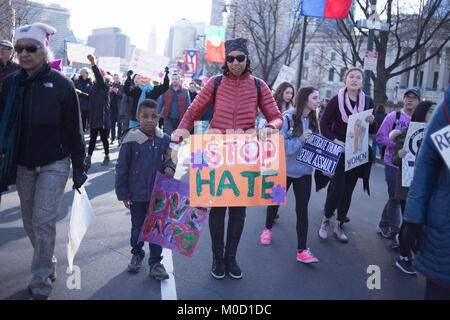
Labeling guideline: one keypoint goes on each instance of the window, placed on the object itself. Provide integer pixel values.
(331, 75)
(328, 93)
(333, 56)
(435, 80)
(420, 79)
(306, 56)
(341, 76)
(438, 59)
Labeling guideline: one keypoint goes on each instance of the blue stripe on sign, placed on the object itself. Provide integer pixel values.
(313, 8)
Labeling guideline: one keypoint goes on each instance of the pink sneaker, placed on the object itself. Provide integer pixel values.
(306, 257)
(266, 236)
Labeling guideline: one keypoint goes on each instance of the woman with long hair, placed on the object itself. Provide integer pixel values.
(236, 107)
(284, 96)
(333, 126)
(298, 126)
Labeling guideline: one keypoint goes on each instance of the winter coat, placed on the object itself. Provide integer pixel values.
(134, 92)
(51, 123)
(139, 160)
(99, 108)
(85, 86)
(116, 98)
(169, 105)
(236, 105)
(6, 70)
(428, 202)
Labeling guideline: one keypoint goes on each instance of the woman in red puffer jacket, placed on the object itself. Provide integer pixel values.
(235, 108)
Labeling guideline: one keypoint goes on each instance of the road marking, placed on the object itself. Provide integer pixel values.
(168, 287)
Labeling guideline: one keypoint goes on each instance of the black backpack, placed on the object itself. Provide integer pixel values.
(209, 113)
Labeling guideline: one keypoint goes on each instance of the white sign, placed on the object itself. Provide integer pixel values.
(370, 61)
(286, 74)
(109, 64)
(413, 140)
(81, 218)
(357, 140)
(441, 140)
(78, 52)
(148, 64)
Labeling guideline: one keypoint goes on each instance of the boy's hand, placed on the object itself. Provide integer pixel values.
(169, 173)
(127, 204)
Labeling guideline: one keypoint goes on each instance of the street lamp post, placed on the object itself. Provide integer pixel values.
(225, 14)
(367, 73)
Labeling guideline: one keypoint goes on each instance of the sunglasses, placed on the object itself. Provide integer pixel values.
(239, 58)
(30, 48)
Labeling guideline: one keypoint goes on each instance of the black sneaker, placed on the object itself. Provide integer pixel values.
(135, 264)
(218, 268)
(405, 264)
(395, 243)
(232, 267)
(105, 161)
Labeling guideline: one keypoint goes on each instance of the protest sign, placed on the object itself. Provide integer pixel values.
(286, 74)
(413, 140)
(81, 218)
(229, 170)
(109, 64)
(357, 140)
(171, 222)
(441, 140)
(78, 52)
(320, 153)
(148, 64)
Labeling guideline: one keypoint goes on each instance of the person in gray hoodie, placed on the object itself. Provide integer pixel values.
(299, 124)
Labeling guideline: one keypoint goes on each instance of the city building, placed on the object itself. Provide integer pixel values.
(182, 36)
(109, 42)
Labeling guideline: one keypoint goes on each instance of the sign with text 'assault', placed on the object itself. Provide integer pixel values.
(320, 153)
(230, 170)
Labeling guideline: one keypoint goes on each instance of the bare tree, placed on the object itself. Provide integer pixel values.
(272, 32)
(14, 13)
(411, 40)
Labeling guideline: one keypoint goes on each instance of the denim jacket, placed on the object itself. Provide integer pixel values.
(139, 159)
(292, 146)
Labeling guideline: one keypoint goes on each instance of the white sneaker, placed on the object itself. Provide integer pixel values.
(324, 226)
(339, 233)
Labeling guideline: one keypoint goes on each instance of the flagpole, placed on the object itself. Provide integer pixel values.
(302, 51)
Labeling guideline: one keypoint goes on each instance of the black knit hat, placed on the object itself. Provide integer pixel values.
(238, 44)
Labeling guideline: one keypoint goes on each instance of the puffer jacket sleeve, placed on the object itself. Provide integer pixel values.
(269, 108)
(122, 172)
(195, 111)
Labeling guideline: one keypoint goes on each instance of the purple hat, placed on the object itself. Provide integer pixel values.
(239, 44)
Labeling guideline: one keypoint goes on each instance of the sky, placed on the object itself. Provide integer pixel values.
(134, 17)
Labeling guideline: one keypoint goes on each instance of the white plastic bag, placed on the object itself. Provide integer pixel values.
(81, 218)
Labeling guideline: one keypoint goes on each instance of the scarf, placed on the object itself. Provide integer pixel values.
(343, 99)
(11, 122)
(144, 90)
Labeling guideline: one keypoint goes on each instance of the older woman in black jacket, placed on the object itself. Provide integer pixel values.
(99, 113)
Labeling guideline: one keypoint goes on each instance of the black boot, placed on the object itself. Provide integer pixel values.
(105, 161)
(216, 228)
(235, 227)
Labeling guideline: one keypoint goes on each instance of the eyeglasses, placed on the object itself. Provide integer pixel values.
(239, 58)
(30, 48)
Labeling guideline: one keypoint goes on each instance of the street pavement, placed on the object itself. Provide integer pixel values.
(269, 272)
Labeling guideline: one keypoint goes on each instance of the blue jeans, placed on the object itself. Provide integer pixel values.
(391, 212)
(170, 125)
(375, 144)
(138, 214)
(114, 120)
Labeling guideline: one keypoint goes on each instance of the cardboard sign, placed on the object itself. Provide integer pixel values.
(413, 140)
(441, 140)
(148, 64)
(357, 140)
(171, 222)
(237, 170)
(78, 52)
(320, 153)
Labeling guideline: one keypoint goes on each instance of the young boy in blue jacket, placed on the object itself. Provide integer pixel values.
(144, 151)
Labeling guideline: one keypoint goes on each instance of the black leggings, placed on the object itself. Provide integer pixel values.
(404, 248)
(93, 140)
(302, 192)
(340, 191)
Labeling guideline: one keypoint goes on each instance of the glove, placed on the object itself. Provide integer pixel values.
(79, 177)
(166, 69)
(91, 59)
(129, 73)
(412, 235)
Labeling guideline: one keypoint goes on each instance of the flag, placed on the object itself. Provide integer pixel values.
(336, 9)
(192, 57)
(197, 74)
(215, 44)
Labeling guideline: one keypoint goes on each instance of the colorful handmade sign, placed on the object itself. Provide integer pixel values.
(171, 222)
(229, 170)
